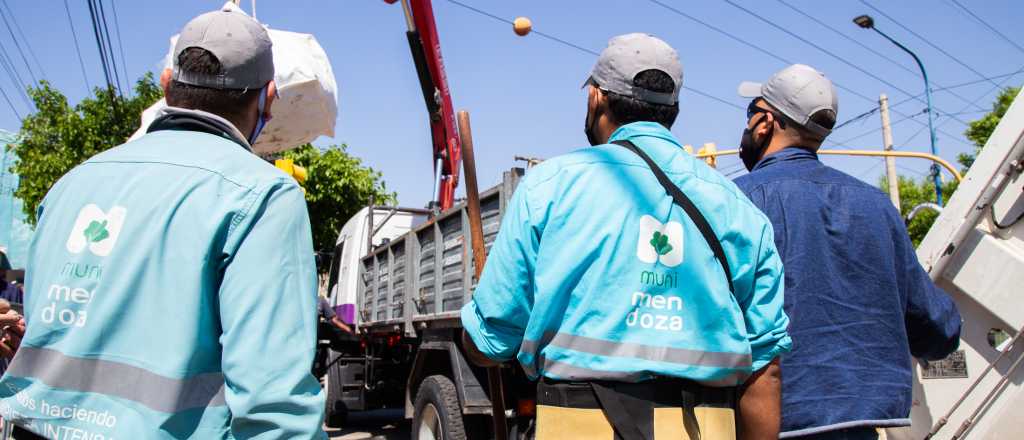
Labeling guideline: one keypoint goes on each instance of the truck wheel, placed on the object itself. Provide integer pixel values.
(437, 414)
(336, 412)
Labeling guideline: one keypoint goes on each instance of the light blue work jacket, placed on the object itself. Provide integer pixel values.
(597, 275)
(170, 293)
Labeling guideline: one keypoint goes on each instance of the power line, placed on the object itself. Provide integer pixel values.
(823, 50)
(105, 30)
(28, 46)
(9, 103)
(13, 75)
(777, 57)
(582, 49)
(864, 46)
(928, 42)
(120, 45)
(74, 35)
(10, 30)
(93, 15)
(983, 23)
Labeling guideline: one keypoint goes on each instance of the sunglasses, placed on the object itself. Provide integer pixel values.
(753, 109)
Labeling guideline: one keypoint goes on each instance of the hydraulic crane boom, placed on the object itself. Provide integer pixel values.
(426, 53)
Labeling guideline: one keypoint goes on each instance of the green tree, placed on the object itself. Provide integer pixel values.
(914, 193)
(980, 130)
(58, 136)
(337, 186)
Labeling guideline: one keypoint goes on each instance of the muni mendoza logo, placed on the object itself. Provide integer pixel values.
(660, 242)
(96, 230)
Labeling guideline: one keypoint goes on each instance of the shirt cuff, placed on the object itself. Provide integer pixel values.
(491, 341)
(761, 358)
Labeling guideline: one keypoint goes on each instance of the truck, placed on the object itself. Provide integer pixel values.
(401, 277)
(975, 252)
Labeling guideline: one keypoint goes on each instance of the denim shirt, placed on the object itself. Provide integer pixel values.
(859, 302)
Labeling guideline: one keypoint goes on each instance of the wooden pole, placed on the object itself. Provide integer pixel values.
(890, 162)
(476, 232)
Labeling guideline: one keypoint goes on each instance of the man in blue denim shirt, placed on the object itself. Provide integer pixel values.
(859, 302)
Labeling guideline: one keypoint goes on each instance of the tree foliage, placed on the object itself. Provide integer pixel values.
(58, 136)
(913, 193)
(980, 130)
(337, 186)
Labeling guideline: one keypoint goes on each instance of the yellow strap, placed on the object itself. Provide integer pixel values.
(558, 423)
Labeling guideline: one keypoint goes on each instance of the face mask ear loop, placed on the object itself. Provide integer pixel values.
(260, 119)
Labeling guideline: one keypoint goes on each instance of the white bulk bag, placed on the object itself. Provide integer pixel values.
(307, 94)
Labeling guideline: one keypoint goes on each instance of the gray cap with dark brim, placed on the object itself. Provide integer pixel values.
(628, 55)
(798, 91)
(238, 41)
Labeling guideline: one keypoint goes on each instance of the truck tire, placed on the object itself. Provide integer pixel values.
(437, 414)
(336, 412)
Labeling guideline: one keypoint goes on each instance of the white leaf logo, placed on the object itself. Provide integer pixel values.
(660, 242)
(96, 230)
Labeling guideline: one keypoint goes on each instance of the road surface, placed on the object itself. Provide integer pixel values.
(384, 424)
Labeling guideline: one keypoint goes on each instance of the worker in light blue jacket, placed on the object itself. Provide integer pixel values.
(633, 279)
(171, 287)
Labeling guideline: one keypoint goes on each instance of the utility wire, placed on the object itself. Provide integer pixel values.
(9, 103)
(823, 50)
(928, 42)
(582, 49)
(984, 23)
(74, 36)
(28, 46)
(93, 15)
(15, 77)
(10, 30)
(866, 47)
(777, 57)
(105, 30)
(120, 43)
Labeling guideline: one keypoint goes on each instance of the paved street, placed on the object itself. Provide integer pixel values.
(385, 424)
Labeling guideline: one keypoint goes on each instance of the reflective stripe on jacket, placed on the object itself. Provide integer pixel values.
(596, 274)
(171, 293)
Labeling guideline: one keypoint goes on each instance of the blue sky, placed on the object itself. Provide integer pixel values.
(524, 92)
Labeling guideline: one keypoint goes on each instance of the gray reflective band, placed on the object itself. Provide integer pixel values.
(158, 392)
(645, 352)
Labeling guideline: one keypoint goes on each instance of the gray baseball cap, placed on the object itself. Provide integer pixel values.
(239, 42)
(797, 91)
(626, 56)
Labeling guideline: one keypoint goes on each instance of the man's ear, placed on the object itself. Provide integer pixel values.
(762, 126)
(165, 80)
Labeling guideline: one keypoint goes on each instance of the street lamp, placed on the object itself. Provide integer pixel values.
(866, 22)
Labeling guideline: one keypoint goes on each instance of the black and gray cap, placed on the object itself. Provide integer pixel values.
(799, 92)
(239, 42)
(628, 55)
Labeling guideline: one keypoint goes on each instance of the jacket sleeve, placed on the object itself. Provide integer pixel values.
(932, 318)
(496, 317)
(762, 304)
(268, 305)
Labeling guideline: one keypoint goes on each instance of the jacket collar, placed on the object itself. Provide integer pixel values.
(176, 118)
(652, 129)
(788, 154)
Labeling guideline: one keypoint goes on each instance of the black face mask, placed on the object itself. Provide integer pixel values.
(588, 128)
(750, 152)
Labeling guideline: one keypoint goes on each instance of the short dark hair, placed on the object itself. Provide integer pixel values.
(625, 109)
(228, 103)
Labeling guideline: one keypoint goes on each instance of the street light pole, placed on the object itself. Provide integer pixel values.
(867, 22)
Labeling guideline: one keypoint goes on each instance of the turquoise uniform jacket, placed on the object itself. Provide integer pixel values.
(597, 275)
(171, 293)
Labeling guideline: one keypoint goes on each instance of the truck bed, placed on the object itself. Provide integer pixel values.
(423, 277)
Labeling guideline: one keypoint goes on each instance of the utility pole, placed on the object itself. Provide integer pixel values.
(890, 162)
